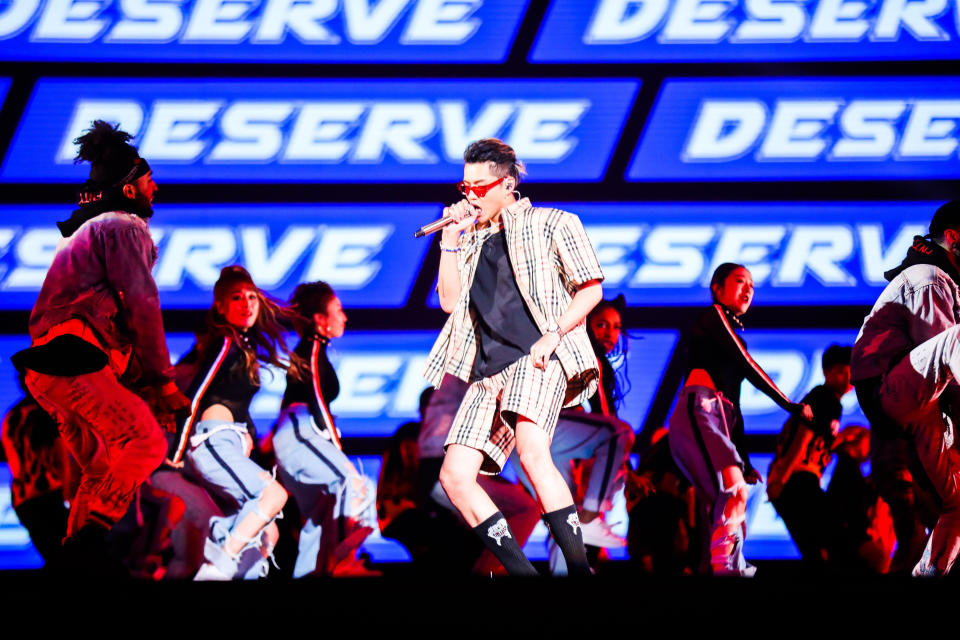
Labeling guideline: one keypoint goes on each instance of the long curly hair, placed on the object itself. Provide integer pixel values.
(265, 341)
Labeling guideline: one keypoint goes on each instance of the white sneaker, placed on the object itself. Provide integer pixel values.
(597, 533)
(209, 573)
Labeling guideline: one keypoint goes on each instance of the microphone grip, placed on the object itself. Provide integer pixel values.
(433, 227)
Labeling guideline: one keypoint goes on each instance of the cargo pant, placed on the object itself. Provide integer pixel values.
(699, 438)
(111, 433)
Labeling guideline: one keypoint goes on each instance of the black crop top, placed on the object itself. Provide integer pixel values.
(217, 376)
(714, 346)
(321, 388)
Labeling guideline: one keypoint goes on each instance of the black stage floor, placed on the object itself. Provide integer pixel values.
(781, 600)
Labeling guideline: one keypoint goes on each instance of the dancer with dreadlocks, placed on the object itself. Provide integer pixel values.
(96, 333)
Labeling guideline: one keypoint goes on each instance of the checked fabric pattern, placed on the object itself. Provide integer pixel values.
(551, 257)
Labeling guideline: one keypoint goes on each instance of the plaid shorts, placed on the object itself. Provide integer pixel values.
(488, 413)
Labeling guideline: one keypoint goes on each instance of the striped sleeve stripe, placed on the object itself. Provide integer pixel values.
(198, 396)
(315, 377)
(746, 356)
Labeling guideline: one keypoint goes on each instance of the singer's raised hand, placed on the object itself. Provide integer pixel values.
(448, 281)
(465, 215)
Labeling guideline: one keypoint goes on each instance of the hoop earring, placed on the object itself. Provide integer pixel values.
(516, 194)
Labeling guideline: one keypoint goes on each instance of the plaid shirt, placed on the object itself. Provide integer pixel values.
(551, 257)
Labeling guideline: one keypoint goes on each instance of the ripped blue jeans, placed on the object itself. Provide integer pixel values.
(326, 486)
(218, 459)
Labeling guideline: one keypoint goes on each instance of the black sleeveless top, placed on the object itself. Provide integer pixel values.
(321, 388)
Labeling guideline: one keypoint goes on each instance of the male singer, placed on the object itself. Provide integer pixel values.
(517, 281)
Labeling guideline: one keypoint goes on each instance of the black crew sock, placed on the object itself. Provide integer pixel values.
(496, 536)
(564, 525)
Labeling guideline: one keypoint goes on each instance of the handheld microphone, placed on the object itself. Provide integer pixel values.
(433, 227)
(436, 225)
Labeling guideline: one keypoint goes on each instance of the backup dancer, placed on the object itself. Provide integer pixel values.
(802, 455)
(706, 428)
(518, 284)
(242, 329)
(98, 312)
(904, 367)
(337, 504)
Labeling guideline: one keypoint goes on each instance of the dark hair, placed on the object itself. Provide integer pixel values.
(619, 354)
(720, 275)
(265, 337)
(108, 150)
(946, 217)
(834, 355)
(498, 153)
(310, 298)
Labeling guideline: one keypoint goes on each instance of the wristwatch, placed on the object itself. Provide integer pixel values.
(555, 328)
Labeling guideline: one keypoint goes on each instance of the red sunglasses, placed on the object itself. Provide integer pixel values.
(480, 190)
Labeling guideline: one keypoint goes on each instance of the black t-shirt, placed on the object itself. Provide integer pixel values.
(506, 328)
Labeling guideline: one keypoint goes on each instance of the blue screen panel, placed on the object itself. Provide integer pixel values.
(811, 129)
(367, 253)
(281, 31)
(324, 131)
(746, 31)
(381, 379)
(828, 253)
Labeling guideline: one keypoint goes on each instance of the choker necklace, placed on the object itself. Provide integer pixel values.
(733, 317)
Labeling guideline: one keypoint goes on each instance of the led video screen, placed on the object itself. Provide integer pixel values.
(217, 130)
(622, 31)
(801, 129)
(283, 31)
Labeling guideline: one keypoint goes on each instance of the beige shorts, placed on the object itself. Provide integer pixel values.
(488, 414)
